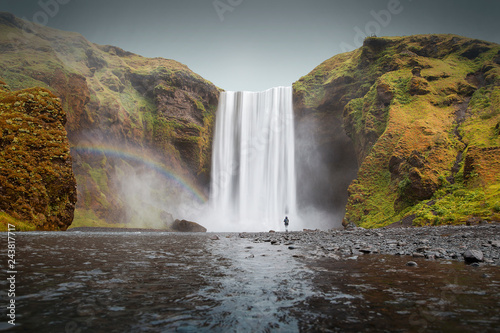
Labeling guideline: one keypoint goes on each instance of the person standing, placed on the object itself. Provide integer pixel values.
(286, 223)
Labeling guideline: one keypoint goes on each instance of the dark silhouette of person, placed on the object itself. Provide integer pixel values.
(286, 223)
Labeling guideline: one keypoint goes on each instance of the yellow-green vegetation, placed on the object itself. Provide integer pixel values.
(87, 218)
(114, 97)
(37, 185)
(20, 225)
(424, 114)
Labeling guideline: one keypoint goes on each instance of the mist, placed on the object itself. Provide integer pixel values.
(150, 199)
(326, 165)
(133, 186)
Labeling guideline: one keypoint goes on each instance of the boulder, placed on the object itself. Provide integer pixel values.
(187, 226)
(472, 256)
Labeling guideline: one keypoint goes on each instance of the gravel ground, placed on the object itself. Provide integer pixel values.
(476, 245)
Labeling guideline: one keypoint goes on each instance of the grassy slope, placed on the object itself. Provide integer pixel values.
(404, 127)
(115, 93)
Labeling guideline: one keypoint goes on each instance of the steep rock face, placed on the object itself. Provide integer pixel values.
(422, 113)
(154, 109)
(37, 185)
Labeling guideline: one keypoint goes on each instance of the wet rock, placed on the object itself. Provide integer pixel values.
(418, 255)
(187, 226)
(432, 255)
(472, 256)
(495, 243)
(422, 249)
(411, 264)
(214, 237)
(369, 249)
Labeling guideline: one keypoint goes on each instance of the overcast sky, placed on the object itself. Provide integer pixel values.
(256, 44)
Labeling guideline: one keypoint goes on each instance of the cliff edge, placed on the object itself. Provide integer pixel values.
(37, 185)
(423, 116)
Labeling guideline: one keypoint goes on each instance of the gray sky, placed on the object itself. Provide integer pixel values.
(256, 44)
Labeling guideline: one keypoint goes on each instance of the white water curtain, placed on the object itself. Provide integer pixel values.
(253, 166)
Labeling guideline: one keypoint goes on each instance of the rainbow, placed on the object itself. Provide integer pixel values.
(111, 151)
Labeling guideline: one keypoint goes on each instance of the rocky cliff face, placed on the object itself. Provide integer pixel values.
(37, 185)
(423, 115)
(118, 103)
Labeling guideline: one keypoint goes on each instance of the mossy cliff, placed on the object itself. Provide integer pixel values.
(423, 116)
(37, 185)
(156, 108)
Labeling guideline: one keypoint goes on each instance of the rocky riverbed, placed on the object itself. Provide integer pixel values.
(478, 244)
(311, 281)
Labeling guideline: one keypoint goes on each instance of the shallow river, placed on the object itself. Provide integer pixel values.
(163, 282)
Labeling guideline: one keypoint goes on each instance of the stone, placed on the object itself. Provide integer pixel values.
(495, 243)
(411, 264)
(214, 237)
(368, 249)
(187, 226)
(472, 256)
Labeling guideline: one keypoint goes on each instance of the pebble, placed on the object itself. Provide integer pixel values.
(438, 243)
(411, 263)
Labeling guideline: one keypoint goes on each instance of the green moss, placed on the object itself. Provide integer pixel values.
(20, 225)
(100, 178)
(455, 208)
(421, 116)
(402, 90)
(87, 218)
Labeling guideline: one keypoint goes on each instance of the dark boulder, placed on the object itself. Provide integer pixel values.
(187, 226)
(472, 256)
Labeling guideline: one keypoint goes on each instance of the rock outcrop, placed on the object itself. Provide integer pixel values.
(422, 115)
(37, 185)
(118, 104)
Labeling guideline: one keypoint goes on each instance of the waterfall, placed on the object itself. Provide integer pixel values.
(253, 165)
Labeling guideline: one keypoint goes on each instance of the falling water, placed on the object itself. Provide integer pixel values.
(253, 168)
